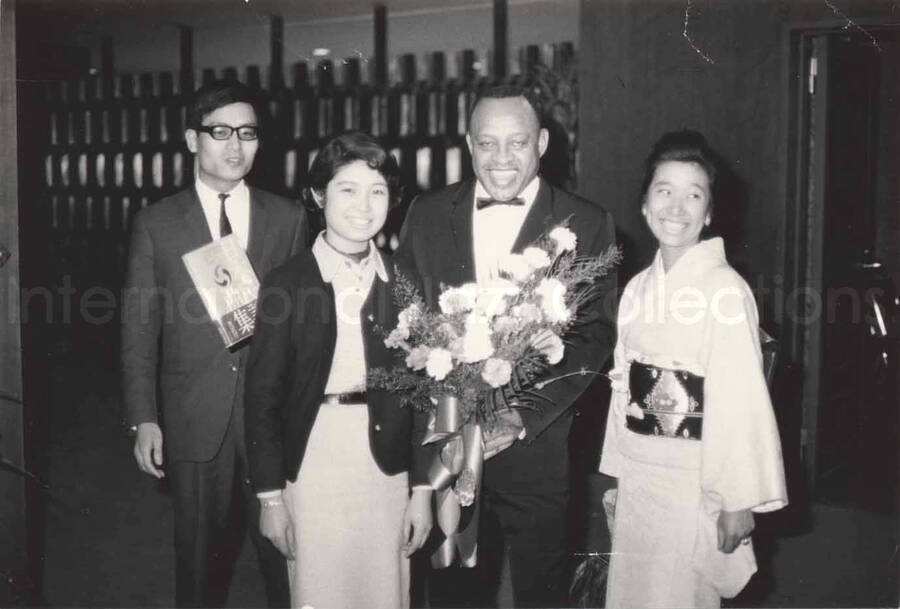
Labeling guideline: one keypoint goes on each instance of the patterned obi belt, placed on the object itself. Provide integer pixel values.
(664, 402)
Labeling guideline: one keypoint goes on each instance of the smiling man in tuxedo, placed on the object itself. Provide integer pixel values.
(459, 235)
(194, 433)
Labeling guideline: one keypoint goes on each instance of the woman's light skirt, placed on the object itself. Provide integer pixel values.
(347, 518)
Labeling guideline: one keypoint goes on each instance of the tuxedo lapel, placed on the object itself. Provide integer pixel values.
(461, 227)
(539, 218)
(259, 218)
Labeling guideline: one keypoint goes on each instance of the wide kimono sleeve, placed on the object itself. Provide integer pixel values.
(741, 452)
(611, 454)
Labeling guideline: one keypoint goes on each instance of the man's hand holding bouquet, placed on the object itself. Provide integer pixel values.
(482, 356)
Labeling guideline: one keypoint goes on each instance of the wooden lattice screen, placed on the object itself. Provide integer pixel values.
(115, 145)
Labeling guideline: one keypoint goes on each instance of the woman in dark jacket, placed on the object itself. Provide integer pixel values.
(328, 459)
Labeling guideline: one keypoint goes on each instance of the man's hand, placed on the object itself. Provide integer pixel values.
(276, 525)
(148, 447)
(506, 430)
(733, 528)
(417, 521)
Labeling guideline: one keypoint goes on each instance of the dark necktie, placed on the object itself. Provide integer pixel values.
(224, 224)
(483, 202)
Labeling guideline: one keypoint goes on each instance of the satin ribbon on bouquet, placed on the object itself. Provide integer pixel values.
(455, 476)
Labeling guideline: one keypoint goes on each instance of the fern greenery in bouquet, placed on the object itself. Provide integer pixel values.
(490, 343)
(486, 350)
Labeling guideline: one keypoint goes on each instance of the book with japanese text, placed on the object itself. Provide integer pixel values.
(228, 286)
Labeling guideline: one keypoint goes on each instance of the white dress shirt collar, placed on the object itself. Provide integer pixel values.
(496, 228)
(331, 262)
(237, 206)
(203, 189)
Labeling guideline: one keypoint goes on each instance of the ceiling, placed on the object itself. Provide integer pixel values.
(109, 15)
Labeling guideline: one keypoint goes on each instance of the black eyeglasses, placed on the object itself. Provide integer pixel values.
(223, 132)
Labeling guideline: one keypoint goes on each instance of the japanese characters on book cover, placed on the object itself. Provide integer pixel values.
(226, 282)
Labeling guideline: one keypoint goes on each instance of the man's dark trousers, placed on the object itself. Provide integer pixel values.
(214, 502)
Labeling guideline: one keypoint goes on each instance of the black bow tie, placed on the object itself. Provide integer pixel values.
(482, 202)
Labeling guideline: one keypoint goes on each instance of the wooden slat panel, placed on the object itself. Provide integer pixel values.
(115, 142)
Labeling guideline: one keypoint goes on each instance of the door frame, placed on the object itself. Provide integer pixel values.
(803, 332)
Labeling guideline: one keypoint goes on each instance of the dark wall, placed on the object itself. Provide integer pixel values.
(640, 76)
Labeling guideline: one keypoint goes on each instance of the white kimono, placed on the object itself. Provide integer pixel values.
(699, 317)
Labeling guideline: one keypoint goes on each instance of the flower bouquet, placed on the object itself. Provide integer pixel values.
(486, 350)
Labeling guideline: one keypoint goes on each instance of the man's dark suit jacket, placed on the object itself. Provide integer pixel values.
(168, 340)
(436, 241)
(290, 360)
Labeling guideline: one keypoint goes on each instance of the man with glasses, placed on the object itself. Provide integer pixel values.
(194, 434)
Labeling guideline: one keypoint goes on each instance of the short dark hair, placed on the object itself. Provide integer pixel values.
(685, 146)
(216, 94)
(343, 150)
(506, 91)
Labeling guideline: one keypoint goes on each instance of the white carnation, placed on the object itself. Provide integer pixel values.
(456, 347)
(516, 266)
(447, 330)
(408, 316)
(439, 364)
(496, 372)
(418, 358)
(527, 312)
(491, 298)
(505, 324)
(397, 337)
(476, 343)
(564, 239)
(553, 299)
(458, 300)
(536, 257)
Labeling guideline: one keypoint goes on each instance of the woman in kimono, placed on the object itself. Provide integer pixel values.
(691, 435)
(328, 459)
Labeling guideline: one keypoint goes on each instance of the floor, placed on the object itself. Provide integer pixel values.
(109, 527)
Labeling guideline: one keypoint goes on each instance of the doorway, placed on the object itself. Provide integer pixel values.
(844, 228)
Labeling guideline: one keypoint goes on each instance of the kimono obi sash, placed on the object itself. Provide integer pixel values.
(664, 402)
